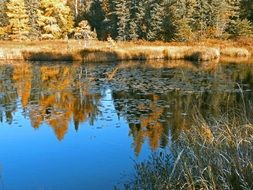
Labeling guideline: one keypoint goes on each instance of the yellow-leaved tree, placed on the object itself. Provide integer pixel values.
(83, 31)
(18, 20)
(55, 19)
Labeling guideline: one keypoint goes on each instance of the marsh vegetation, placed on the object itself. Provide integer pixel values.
(97, 51)
(213, 154)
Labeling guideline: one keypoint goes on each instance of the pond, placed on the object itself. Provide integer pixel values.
(83, 126)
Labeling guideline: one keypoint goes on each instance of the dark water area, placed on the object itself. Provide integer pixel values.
(83, 126)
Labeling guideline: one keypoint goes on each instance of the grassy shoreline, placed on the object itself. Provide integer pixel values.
(98, 51)
(214, 154)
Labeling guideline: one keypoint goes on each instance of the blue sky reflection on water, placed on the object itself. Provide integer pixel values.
(67, 126)
(94, 157)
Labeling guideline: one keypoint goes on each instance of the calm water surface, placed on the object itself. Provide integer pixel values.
(73, 126)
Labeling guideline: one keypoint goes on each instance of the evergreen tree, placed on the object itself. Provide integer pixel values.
(220, 15)
(3, 16)
(31, 9)
(122, 11)
(212, 18)
(96, 18)
(133, 30)
(155, 28)
(201, 18)
(141, 21)
(110, 20)
(181, 18)
(18, 19)
(247, 9)
(4, 21)
(133, 26)
(168, 28)
(241, 28)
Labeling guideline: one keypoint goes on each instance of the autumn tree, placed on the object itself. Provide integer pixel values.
(179, 20)
(74, 5)
(54, 18)
(18, 19)
(219, 17)
(83, 31)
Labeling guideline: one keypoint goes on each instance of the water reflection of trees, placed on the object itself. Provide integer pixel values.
(156, 116)
(158, 100)
(8, 95)
(51, 94)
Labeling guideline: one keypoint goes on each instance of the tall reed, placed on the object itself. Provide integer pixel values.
(214, 154)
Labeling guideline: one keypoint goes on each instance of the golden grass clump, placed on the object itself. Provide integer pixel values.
(11, 54)
(235, 52)
(99, 51)
(212, 155)
(149, 53)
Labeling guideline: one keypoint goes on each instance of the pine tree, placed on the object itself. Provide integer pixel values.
(3, 16)
(247, 9)
(96, 17)
(122, 11)
(181, 18)
(168, 28)
(200, 16)
(241, 27)
(219, 17)
(110, 21)
(140, 18)
(4, 21)
(133, 26)
(18, 19)
(212, 18)
(155, 27)
(31, 9)
(133, 30)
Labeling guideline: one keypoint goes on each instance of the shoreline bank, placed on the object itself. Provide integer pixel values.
(121, 51)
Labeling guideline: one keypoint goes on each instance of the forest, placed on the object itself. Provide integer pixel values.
(125, 20)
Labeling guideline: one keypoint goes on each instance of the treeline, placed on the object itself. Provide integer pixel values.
(40, 19)
(167, 20)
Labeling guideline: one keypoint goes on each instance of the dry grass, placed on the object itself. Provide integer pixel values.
(213, 155)
(98, 51)
(235, 52)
